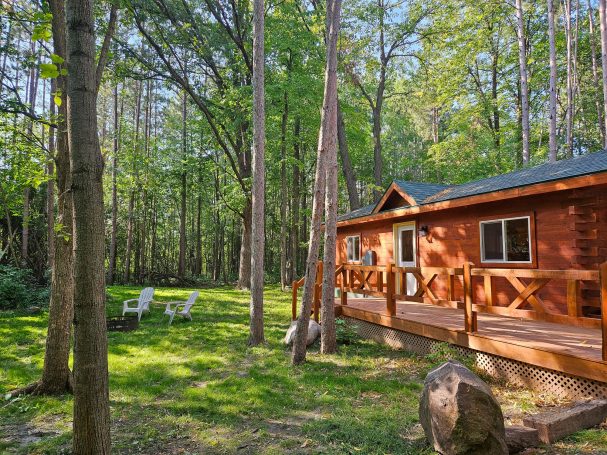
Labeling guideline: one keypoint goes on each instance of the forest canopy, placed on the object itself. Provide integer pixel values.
(430, 91)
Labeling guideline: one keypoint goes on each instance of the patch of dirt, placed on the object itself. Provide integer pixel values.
(23, 435)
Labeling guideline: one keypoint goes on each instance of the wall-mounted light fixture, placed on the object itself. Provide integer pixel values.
(423, 231)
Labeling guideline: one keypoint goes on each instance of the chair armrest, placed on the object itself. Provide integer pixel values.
(131, 300)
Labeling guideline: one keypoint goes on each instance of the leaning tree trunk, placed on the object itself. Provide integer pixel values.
(522, 56)
(326, 144)
(296, 199)
(552, 109)
(569, 112)
(91, 393)
(258, 191)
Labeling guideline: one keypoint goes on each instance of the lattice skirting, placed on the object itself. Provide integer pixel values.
(517, 373)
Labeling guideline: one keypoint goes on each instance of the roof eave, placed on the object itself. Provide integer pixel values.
(597, 178)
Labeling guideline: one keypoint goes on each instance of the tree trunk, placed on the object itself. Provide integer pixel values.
(91, 394)
(326, 145)
(603, 21)
(258, 191)
(296, 198)
(244, 268)
(553, 147)
(184, 182)
(377, 158)
(50, 189)
(56, 375)
(283, 194)
(346, 163)
(595, 74)
(569, 111)
(114, 235)
(522, 54)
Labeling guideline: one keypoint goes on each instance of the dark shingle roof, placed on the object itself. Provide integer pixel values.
(574, 167)
(363, 211)
(418, 190)
(427, 193)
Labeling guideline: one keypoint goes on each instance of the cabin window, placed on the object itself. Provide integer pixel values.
(506, 240)
(353, 248)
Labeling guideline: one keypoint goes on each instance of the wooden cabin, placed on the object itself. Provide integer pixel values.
(507, 267)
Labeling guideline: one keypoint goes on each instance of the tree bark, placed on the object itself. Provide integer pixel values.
(114, 235)
(346, 163)
(56, 375)
(91, 394)
(326, 144)
(244, 267)
(183, 209)
(284, 282)
(50, 189)
(258, 191)
(296, 198)
(603, 21)
(553, 147)
(595, 73)
(522, 53)
(569, 112)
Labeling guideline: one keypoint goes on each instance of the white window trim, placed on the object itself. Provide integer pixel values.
(353, 261)
(503, 221)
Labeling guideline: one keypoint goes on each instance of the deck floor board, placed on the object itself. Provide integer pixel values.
(580, 342)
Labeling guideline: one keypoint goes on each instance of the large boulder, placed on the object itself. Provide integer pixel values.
(459, 413)
(313, 332)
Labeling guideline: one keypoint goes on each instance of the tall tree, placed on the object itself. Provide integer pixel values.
(553, 147)
(522, 52)
(114, 234)
(603, 26)
(91, 392)
(184, 186)
(258, 191)
(327, 140)
(346, 163)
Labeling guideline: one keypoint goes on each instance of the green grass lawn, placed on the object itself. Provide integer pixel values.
(195, 387)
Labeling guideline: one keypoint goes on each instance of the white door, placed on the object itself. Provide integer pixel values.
(406, 255)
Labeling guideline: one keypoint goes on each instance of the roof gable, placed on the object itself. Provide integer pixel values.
(405, 194)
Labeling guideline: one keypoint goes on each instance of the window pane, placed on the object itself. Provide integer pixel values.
(493, 244)
(517, 240)
(356, 249)
(406, 246)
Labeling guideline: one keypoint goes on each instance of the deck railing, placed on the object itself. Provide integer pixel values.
(389, 282)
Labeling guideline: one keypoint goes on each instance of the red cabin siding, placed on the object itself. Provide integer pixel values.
(570, 233)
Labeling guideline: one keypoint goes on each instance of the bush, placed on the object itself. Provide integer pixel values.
(18, 289)
(345, 332)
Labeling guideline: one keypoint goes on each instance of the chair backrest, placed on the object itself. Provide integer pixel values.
(146, 296)
(191, 300)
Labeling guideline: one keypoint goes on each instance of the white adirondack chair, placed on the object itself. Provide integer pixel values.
(186, 306)
(143, 303)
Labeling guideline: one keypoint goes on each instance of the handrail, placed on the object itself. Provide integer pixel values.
(380, 281)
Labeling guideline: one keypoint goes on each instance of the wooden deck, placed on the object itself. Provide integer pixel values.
(569, 349)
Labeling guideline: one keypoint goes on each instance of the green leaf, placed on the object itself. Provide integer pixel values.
(57, 98)
(57, 59)
(48, 70)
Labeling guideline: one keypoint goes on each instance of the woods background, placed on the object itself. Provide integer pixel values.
(429, 91)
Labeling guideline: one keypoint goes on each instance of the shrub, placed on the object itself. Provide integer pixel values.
(18, 289)
(345, 332)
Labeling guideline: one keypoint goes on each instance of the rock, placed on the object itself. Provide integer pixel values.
(313, 332)
(556, 424)
(33, 310)
(519, 438)
(459, 413)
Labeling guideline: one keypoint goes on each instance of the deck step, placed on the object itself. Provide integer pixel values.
(556, 424)
(519, 438)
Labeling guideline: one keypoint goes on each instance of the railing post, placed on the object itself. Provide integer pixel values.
(390, 302)
(294, 301)
(603, 283)
(342, 293)
(470, 323)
